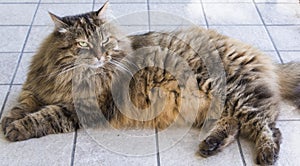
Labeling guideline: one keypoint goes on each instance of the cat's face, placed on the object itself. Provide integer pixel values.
(87, 39)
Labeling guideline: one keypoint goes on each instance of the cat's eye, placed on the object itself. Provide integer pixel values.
(83, 44)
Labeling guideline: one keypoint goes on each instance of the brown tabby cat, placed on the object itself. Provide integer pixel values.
(90, 46)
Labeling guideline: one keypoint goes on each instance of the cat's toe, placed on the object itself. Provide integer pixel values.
(6, 121)
(209, 146)
(267, 155)
(16, 133)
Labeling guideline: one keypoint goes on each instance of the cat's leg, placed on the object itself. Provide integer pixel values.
(48, 120)
(27, 104)
(221, 135)
(268, 145)
(267, 140)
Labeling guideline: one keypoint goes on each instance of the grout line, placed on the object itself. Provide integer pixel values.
(272, 41)
(14, 25)
(93, 8)
(5, 3)
(16, 3)
(193, 2)
(204, 14)
(11, 84)
(250, 2)
(156, 131)
(289, 50)
(288, 120)
(73, 149)
(19, 60)
(9, 52)
(233, 25)
(102, 1)
(29, 52)
(276, 2)
(241, 151)
(157, 147)
(268, 25)
(149, 21)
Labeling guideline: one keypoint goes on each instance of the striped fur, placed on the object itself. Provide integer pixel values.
(254, 85)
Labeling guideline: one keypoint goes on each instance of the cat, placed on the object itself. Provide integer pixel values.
(86, 49)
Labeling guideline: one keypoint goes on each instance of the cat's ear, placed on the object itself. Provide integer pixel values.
(102, 10)
(59, 23)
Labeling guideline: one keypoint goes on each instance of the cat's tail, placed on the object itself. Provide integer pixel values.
(289, 82)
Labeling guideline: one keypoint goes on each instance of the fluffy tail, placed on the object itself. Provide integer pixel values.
(289, 82)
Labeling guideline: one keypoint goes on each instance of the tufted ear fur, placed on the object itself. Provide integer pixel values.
(102, 10)
(59, 23)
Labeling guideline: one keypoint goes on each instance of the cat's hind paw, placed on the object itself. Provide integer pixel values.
(267, 155)
(209, 146)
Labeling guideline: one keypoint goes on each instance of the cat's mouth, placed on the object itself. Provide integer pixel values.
(97, 64)
(100, 62)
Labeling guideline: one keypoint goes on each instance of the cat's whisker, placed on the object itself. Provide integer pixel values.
(70, 69)
(121, 66)
(120, 59)
(56, 72)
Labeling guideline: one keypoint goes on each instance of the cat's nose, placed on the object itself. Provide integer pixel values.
(99, 54)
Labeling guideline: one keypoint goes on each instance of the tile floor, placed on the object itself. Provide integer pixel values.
(271, 25)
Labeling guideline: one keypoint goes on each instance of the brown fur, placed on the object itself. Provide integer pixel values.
(254, 85)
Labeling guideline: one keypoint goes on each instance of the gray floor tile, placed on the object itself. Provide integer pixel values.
(17, 14)
(254, 35)
(288, 112)
(290, 56)
(8, 64)
(243, 13)
(67, 1)
(36, 36)
(278, 1)
(23, 68)
(289, 151)
(127, 1)
(3, 92)
(131, 30)
(43, 18)
(174, 1)
(167, 28)
(176, 14)
(19, 1)
(184, 151)
(49, 150)
(12, 98)
(14, 38)
(274, 56)
(89, 152)
(286, 37)
(280, 13)
(229, 1)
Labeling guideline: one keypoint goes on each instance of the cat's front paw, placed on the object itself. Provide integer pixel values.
(16, 132)
(267, 155)
(6, 121)
(209, 146)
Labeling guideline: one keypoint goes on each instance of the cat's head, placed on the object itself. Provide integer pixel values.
(88, 39)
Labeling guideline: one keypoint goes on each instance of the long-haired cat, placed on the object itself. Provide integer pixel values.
(91, 46)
